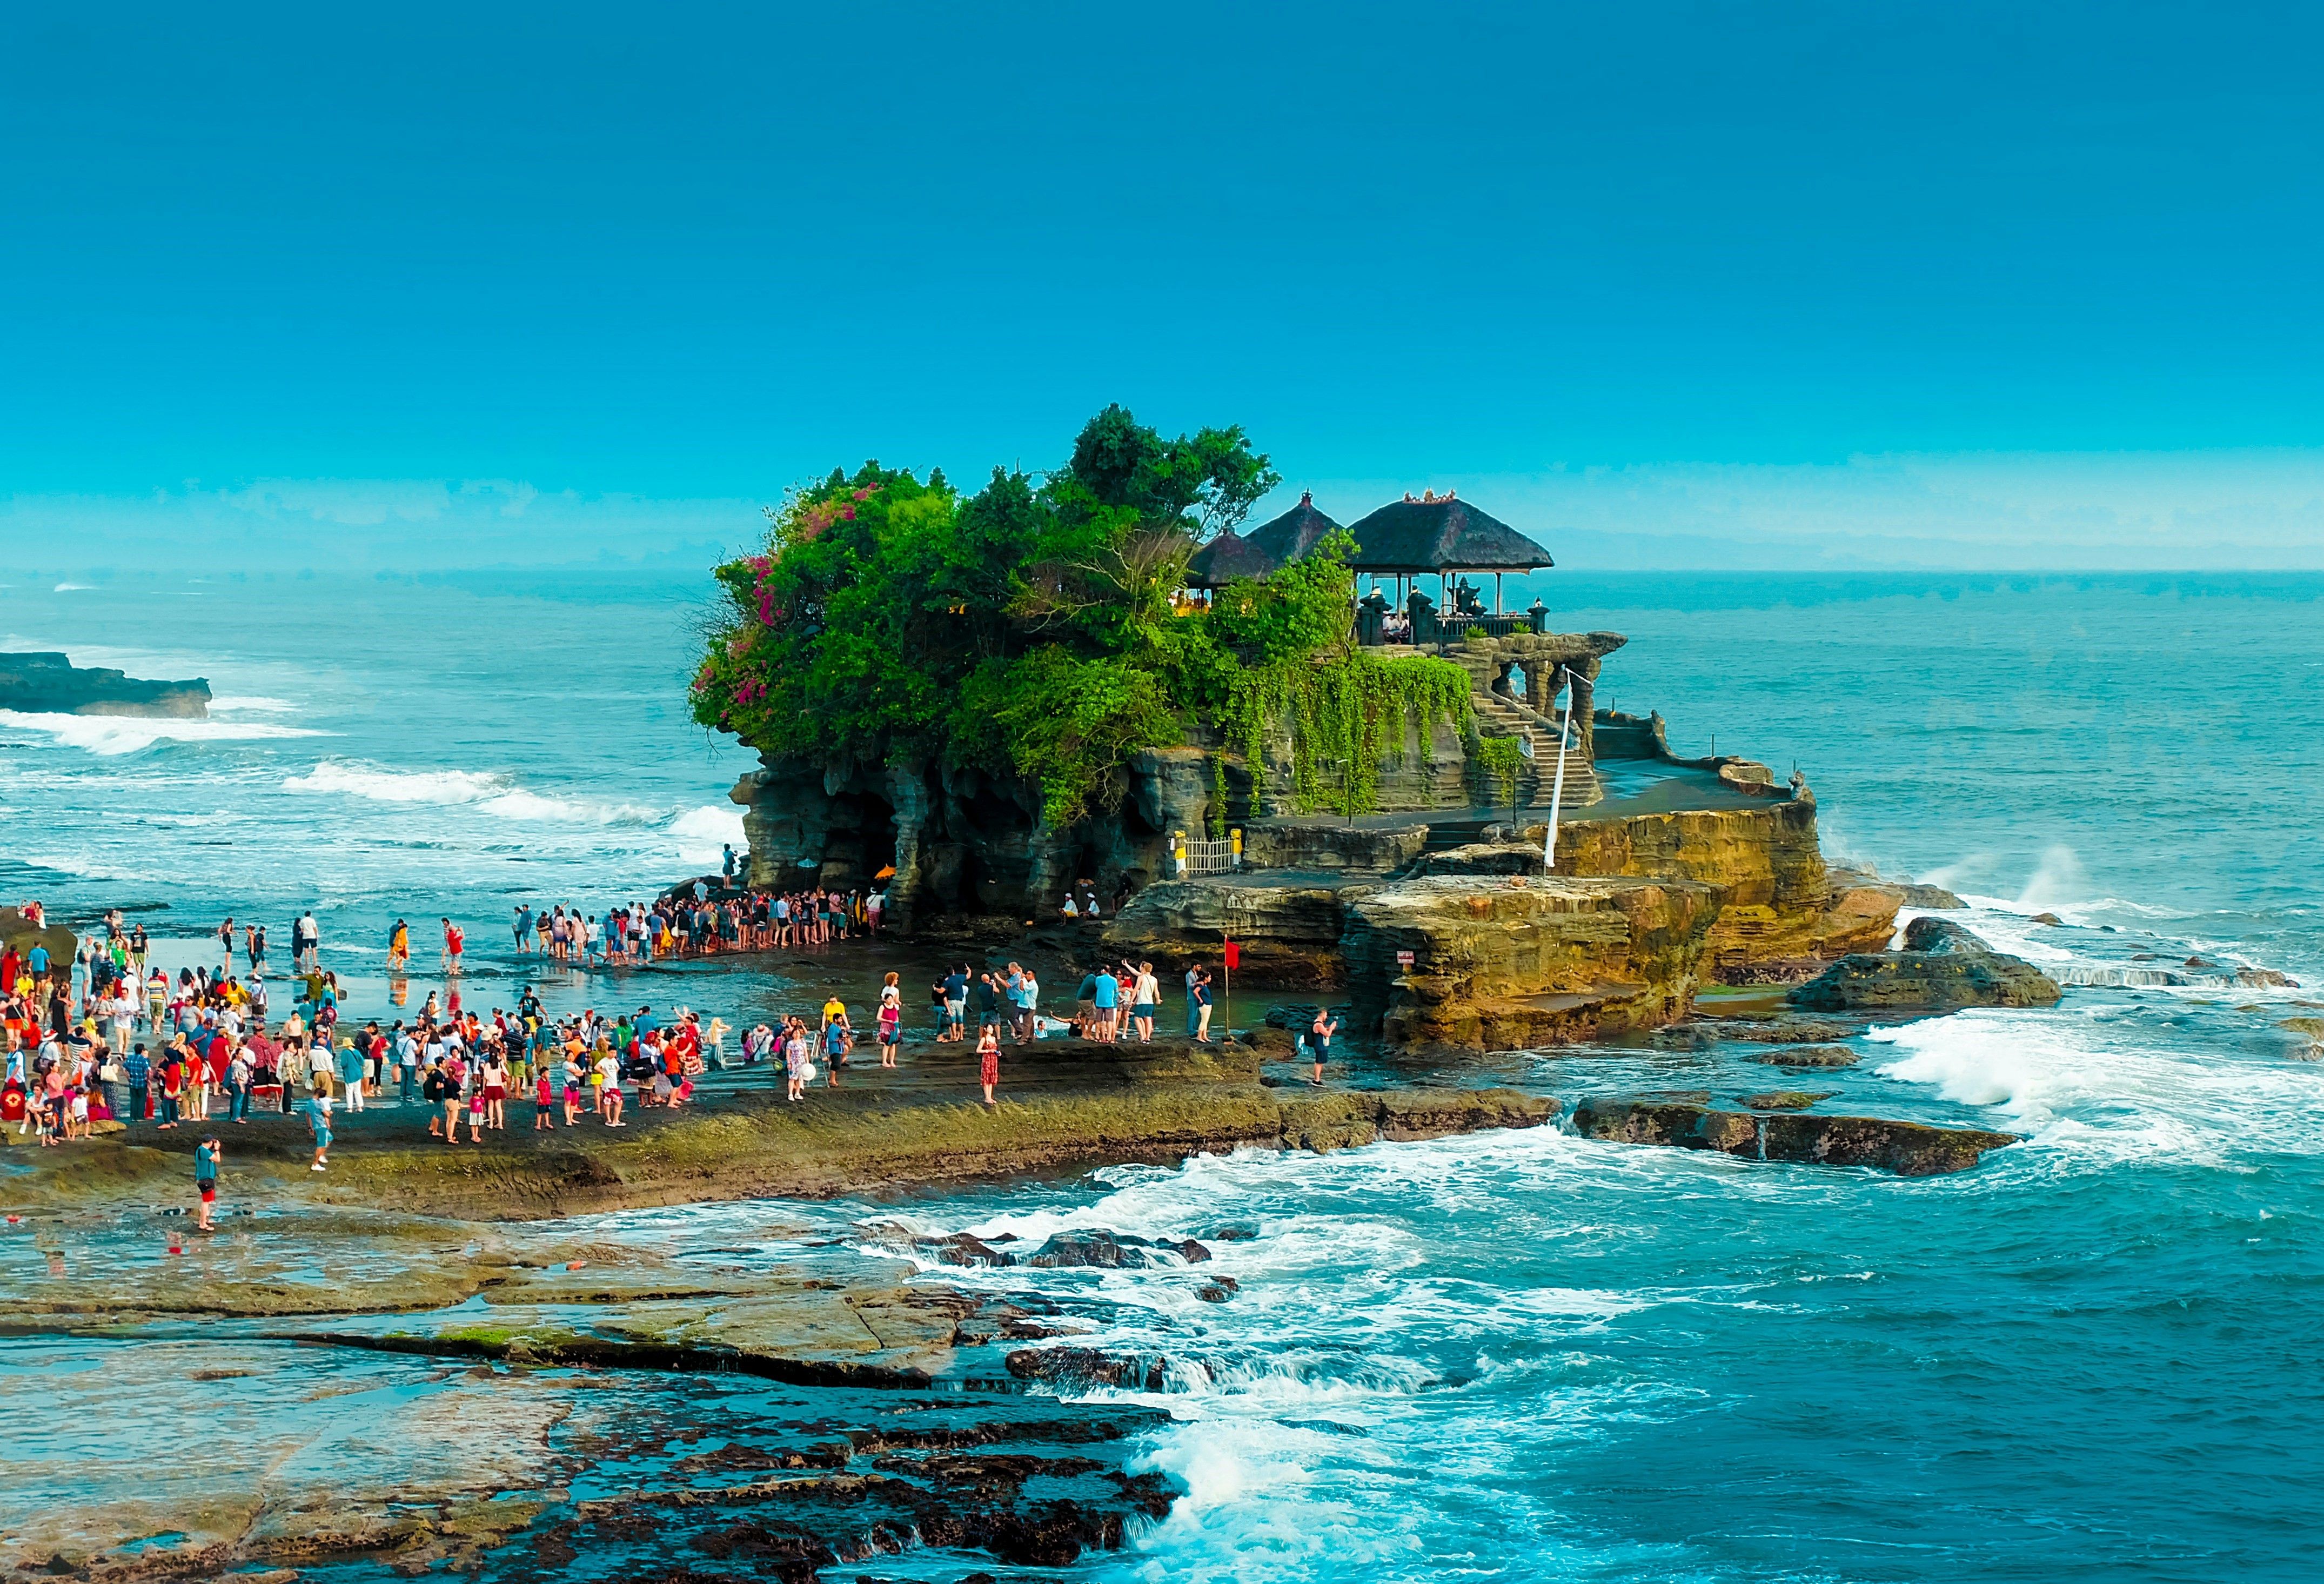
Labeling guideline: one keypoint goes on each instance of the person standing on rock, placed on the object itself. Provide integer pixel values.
(837, 1036)
(1198, 1004)
(455, 943)
(1145, 1000)
(891, 1020)
(988, 1062)
(1106, 1000)
(798, 1066)
(1319, 1040)
(318, 1118)
(956, 989)
(206, 1156)
(1194, 1002)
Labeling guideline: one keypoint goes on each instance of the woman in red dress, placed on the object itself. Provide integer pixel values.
(988, 1061)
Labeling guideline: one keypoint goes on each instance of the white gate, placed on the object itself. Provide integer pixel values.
(1207, 857)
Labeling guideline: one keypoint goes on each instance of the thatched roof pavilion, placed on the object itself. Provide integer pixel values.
(1441, 533)
(1286, 538)
(1226, 557)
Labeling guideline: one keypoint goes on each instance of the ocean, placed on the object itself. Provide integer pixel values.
(1515, 1355)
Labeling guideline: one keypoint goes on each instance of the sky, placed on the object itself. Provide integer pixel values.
(1666, 285)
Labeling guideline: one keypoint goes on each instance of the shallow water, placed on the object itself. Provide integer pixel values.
(1527, 1356)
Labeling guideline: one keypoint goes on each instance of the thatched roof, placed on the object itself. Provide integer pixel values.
(1226, 557)
(1441, 535)
(1293, 534)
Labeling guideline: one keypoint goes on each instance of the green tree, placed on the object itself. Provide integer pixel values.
(1204, 483)
(1034, 630)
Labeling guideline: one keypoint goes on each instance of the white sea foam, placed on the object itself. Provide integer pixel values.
(254, 704)
(111, 735)
(695, 835)
(2110, 1083)
(73, 588)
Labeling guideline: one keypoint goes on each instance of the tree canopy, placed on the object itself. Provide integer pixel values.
(1034, 628)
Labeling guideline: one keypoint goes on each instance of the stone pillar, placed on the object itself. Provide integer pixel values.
(1581, 696)
(907, 791)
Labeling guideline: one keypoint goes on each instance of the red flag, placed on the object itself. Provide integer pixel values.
(1234, 954)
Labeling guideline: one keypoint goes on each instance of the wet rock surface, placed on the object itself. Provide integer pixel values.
(1809, 1056)
(1943, 968)
(1099, 1249)
(1909, 1149)
(1787, 1099)
(589, 1408)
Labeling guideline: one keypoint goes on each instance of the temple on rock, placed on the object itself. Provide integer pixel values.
(961, 841)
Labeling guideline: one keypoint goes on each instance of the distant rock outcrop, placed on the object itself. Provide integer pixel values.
(1943, 968)
(20, 933)
(51, 684)
(1909, 1149)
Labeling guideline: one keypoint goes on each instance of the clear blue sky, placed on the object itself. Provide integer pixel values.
(678, 255)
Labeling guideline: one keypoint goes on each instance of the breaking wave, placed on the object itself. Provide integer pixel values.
(110, 735)
(698, 832)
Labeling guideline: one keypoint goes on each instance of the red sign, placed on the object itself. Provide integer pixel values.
(1234, 954)
(1404, 959)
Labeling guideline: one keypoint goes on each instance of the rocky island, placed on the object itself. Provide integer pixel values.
(40, 683)
(1250, 738)
(1095, 685)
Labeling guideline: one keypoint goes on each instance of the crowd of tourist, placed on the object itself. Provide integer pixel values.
(110, 1035)
(709, 922)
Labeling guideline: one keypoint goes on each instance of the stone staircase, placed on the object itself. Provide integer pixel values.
(1499, 715)
(1503, 718)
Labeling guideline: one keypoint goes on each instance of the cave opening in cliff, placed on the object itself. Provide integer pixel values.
(875, 824)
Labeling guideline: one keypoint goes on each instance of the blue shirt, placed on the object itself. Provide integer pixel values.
(37, 960)
(206, 1162)
(139, 1070)
(1108, 992)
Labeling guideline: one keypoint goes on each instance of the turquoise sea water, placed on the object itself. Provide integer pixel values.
(1524, 1356)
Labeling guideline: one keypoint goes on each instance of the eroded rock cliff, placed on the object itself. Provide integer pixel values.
(1502, 967)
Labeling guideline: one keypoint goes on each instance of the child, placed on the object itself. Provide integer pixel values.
(544, 1100)
(796, 1065)
(476, 1115)
(206, 1156)
(318, 1116)
(891, 1020)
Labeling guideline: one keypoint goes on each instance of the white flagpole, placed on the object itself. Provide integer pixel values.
(1557, 789)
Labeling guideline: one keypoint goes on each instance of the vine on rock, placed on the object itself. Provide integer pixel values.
(1500, 761)
(1348, 713)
